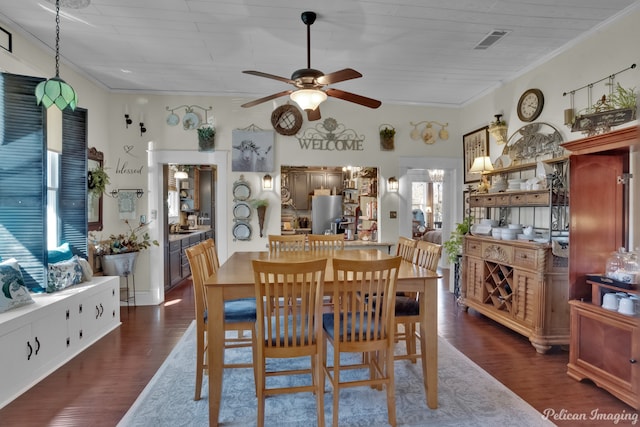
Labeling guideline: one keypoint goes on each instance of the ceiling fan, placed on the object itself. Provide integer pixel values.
(310, 84)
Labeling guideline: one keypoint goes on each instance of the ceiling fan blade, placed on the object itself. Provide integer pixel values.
(266, 98)
(352, 97)
(313, 115)
(338, 76)
(269, 76)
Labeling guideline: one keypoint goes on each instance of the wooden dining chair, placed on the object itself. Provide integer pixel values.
(326, 241)
(239, 315)
(289, 242)
(289, 332)
(408, 306)
(362, 322)
(405, 248)
(212, 255)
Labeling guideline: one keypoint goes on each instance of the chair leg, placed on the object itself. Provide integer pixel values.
(391, 389)
(199, 362)
(260, 382)
(410, 329)
(319, 381)
(336, 385)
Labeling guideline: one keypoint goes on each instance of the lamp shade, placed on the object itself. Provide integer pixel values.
(481, 164)
(181, 175)
(56, 91)
(308, 99)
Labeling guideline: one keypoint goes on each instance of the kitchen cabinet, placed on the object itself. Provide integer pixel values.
(175, 264)
(303, 183)
(519, 284)
(38, 338)
(605, 345)
(178, 263)
(300, 190)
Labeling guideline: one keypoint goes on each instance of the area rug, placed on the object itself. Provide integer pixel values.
(467, 396)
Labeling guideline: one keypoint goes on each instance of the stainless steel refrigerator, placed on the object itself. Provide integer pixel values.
(324, 211)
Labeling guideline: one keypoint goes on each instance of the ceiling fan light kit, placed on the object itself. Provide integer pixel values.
(310, 83)
(308, 99)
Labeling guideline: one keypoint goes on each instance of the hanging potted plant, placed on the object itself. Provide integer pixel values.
(206, 137)
(261, 207)
(387, 136)
(97, 180)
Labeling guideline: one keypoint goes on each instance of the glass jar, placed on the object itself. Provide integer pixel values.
(615, 263)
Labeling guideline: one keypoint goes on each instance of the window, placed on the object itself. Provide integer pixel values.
(53, 223)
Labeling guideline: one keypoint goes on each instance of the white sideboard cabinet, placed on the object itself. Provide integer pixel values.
(38, 338)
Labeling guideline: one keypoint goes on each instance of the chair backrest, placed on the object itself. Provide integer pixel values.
(287, 327)
(212, 255)
(289, 242)
(326, 241)
(428, 255)
(406, 248)
(366, 290)
(199, 272)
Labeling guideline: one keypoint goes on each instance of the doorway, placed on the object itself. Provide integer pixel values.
(157, 161)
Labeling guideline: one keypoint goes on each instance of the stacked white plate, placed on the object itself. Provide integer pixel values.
(515, 184)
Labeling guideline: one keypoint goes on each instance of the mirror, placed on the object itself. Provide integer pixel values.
(95, 160)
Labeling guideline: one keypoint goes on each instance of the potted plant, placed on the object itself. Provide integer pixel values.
(498, 129)
(97, 180)
(453, 246)
(261, 207)
(118, 252)
(206, 137)
(387, 134)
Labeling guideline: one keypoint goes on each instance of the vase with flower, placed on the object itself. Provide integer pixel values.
(118, 252)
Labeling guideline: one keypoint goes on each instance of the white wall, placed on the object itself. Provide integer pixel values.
(608, 50)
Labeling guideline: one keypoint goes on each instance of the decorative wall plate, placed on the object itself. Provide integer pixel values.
(242, 210)
(241, 191)
(173, 119)
(242, 231)
(190, 121)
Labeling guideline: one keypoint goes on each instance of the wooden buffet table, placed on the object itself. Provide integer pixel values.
(235, 280)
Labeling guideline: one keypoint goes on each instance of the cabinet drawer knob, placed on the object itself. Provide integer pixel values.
(632, 360)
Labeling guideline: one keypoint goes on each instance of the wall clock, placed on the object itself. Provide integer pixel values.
(530, 105)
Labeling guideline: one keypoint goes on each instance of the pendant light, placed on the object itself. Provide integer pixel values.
(56, 91)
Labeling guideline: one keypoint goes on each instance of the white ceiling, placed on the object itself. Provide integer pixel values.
(409, 51)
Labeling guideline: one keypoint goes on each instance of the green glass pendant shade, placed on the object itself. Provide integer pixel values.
(56, 91)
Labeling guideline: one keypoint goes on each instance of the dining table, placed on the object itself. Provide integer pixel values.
(234, 279)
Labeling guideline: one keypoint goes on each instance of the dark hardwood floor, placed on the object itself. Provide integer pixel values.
(98, 386)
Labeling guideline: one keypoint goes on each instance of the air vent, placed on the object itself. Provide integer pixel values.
(492, 38)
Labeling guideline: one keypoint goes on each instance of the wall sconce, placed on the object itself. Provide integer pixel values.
(481, 165)
(142, 128)
(127, 117)
(267, 182)
(392, 184)
(498, 129)
(427, 134)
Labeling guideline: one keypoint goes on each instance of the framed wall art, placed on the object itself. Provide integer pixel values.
(474, 144)
(252, 150)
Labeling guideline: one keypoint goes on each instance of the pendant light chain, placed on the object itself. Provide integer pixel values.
(57, 38)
